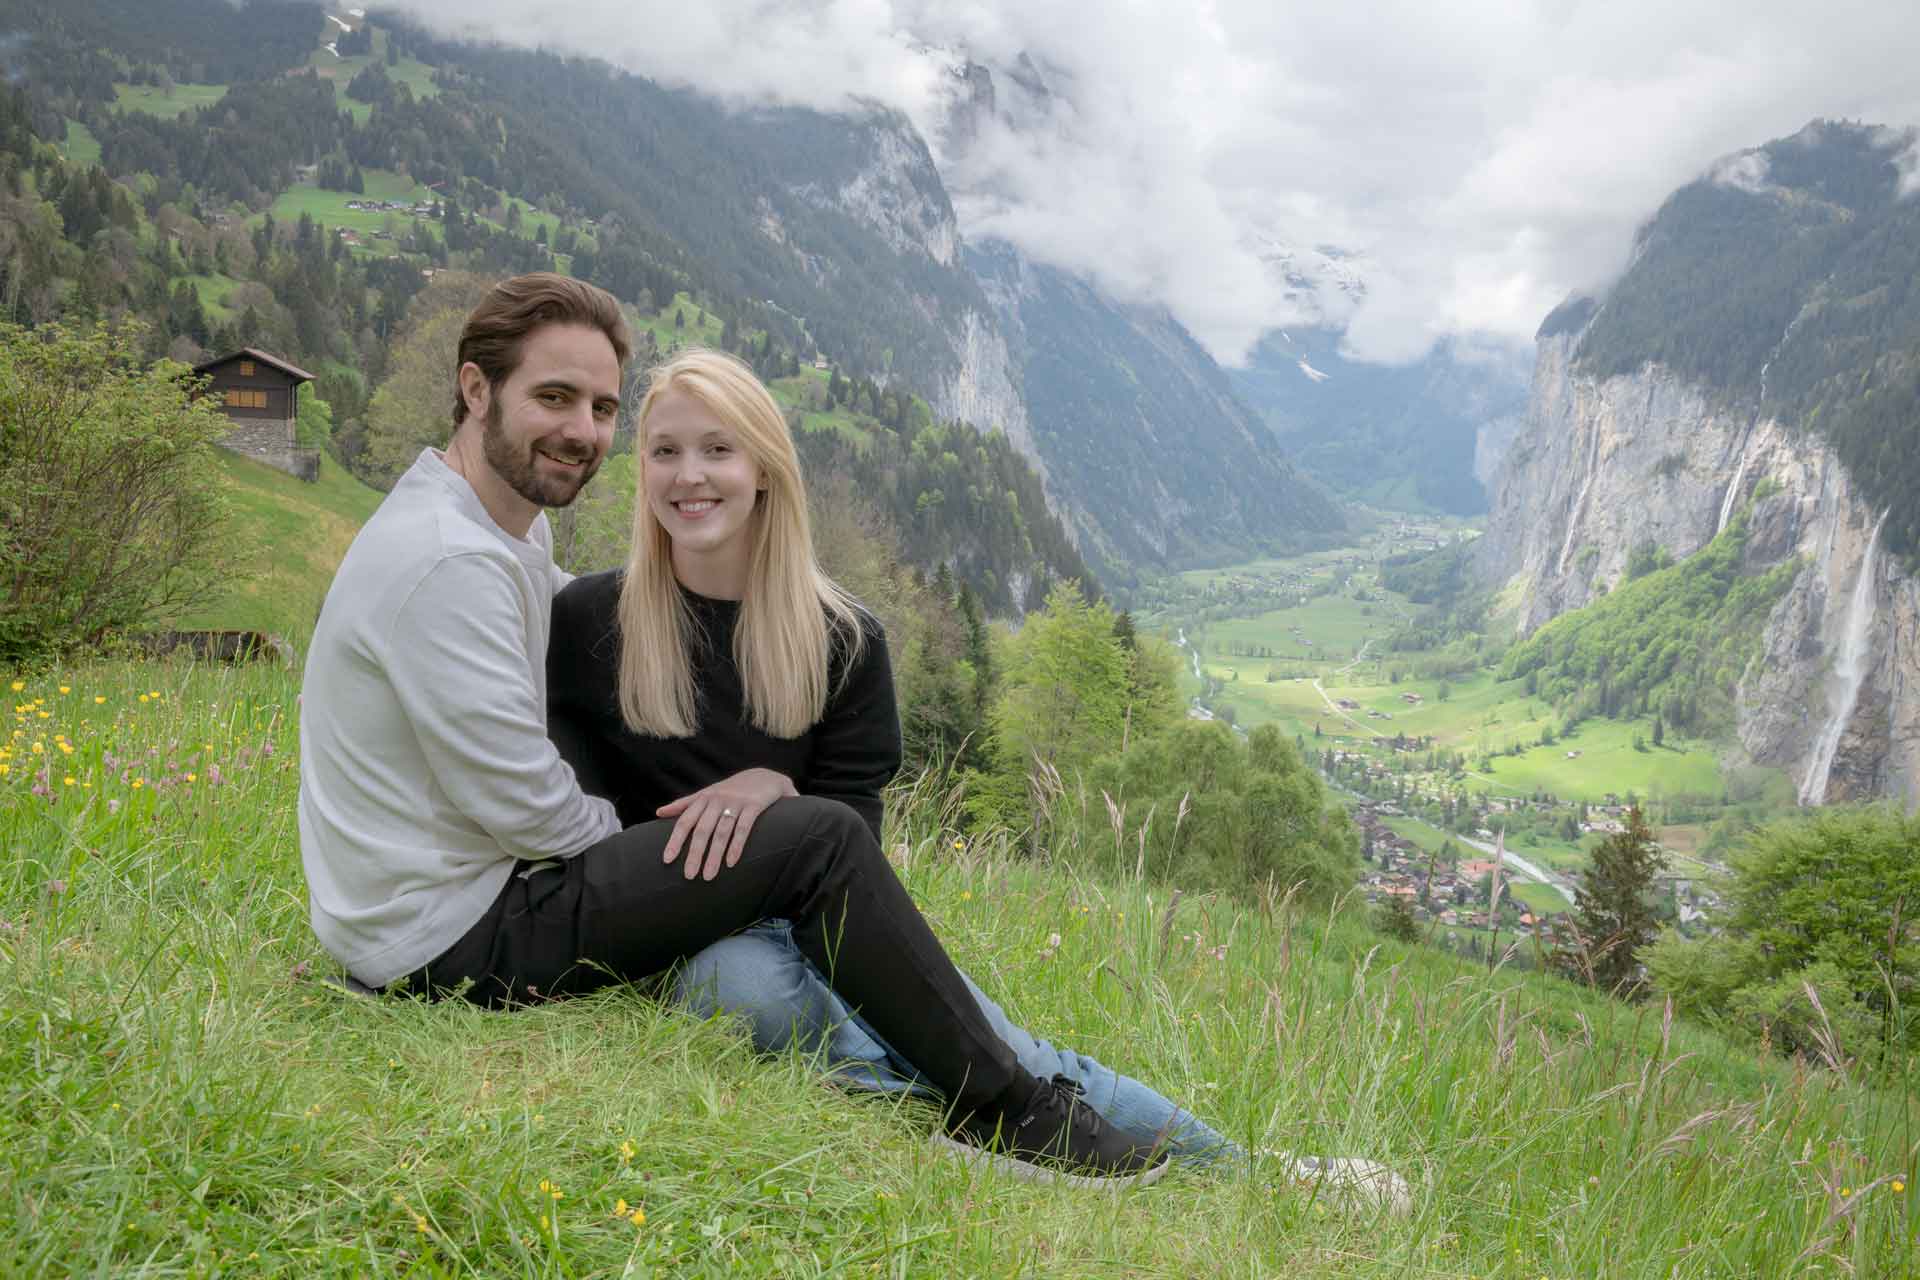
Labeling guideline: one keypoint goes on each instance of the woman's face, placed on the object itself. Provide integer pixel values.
(702, 488)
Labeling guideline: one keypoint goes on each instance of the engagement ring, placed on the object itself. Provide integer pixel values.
(726, 813)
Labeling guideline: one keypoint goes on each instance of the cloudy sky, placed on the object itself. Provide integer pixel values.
(1479, 158)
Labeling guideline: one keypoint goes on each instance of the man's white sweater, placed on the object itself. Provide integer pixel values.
(425, 769)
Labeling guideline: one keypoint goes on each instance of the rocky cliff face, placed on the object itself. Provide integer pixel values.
(896, 190)
(1604, 465)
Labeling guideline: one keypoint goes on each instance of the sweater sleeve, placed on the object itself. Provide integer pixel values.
(856, 746)
(460, 667)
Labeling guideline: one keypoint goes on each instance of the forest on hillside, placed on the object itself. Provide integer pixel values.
(174, 226)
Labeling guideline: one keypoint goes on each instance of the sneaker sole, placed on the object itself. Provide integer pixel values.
(1038, 1174)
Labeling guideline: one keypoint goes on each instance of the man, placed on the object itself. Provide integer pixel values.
(449, 850)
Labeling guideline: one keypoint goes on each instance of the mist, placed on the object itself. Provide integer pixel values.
(1472, 163)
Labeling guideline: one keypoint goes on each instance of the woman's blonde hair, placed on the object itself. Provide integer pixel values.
(791, 613)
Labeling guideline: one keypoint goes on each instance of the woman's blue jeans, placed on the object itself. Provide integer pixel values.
(761, 977)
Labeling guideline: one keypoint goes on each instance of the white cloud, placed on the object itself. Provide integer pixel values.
(1482, 157)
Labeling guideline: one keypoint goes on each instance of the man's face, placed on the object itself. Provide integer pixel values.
(551, 422)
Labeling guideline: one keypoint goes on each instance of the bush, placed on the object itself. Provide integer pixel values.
(1826, 901)
(112, 502)
(1197, 807)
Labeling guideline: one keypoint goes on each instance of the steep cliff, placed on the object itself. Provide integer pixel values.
(1606, 465)
(1155, 460)
(1763, 348)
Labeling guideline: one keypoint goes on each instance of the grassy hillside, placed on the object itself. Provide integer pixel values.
(179, 1096)
(297, 533)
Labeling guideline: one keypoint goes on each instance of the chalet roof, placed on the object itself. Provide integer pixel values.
(293, 371)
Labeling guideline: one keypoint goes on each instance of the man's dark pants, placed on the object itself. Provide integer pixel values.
(617, 913)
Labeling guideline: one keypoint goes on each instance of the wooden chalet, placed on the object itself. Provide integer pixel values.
(260, 394)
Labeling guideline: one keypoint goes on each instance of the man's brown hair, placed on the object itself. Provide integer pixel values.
(497, 329)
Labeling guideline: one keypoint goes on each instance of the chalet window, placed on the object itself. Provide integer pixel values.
(240, 398)
(246, 368)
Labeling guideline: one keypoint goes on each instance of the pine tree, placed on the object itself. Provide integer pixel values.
(1613, 915)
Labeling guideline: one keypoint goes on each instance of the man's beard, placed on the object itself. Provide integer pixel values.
(519, 470)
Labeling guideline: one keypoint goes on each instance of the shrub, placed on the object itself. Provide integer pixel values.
(112, 502)
(1827, 902)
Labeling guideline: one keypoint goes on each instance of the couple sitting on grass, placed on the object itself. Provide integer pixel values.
(516, 786)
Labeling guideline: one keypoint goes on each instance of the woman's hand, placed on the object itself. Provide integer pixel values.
(714, 821)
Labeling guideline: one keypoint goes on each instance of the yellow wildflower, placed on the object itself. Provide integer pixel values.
(99, 698)
(70, 779)
(626, 1151)
(638, 1217)
(620, 1208)
(66, 689)
(966, 895)
(39, 748)
(1898, 1186)
(153, 693)
(143, 697)
(139, 782)
(18, 685)
(193, 777)
(66, 749)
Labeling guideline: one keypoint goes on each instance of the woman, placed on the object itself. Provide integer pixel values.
(723, 670)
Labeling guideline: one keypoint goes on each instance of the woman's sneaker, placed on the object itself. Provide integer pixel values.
(1055, 1138)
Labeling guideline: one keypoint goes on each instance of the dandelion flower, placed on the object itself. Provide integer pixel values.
(66, 689)
(1845, 1192)
(1898, 1186)
(18, 685)
(638, 1217)
(99, 698)
(966, 895)
(620, 1208)
(144, 698)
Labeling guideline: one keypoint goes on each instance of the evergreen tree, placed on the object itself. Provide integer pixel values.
(1613, 914)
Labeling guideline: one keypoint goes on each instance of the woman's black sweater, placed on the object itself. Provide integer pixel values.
(849, 755)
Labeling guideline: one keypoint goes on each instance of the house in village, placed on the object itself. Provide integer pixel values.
(260, 394)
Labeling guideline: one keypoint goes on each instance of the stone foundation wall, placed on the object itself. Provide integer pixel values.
(270, 440)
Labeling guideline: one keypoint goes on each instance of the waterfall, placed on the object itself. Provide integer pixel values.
(1849, 670)
(1580, 502)
(1733, 492)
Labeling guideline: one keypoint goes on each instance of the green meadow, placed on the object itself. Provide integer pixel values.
(168, 102)
(181, 1094)
(81, 148)
(416, 75)
(291, 537)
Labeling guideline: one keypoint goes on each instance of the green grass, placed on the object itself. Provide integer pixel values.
(80, 148)
(330, 207)
(178, 1095)
(213, 290)
(413, 73)
(297, 534)
(167, 103)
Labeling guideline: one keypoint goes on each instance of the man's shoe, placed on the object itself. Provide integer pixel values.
(1351, 1183)
(1055, 1138)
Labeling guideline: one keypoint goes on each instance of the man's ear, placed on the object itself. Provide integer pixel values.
(475, 390)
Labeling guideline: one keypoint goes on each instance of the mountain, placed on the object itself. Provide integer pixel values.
(1157, 462)
(1757, 359)
(1151, 454)
(1423, 435)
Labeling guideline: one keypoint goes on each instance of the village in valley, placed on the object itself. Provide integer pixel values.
(1440, 764)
